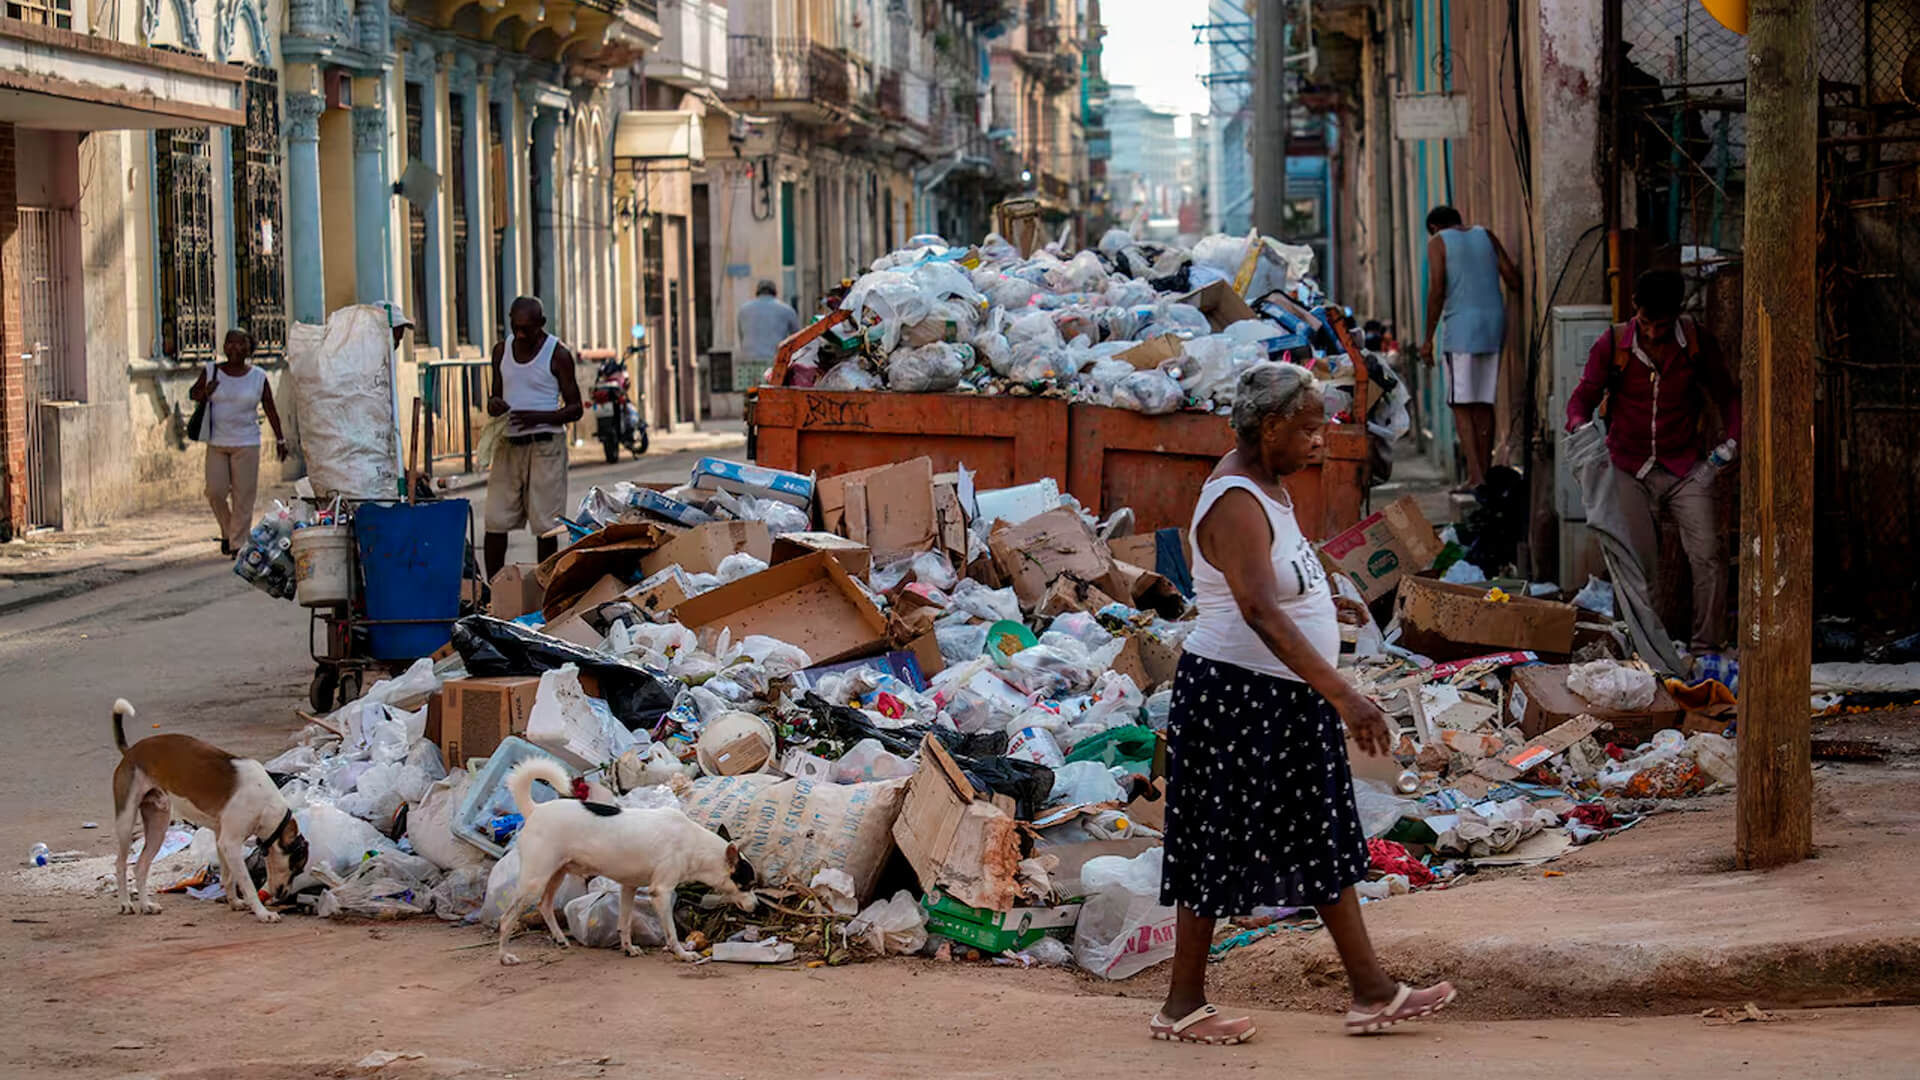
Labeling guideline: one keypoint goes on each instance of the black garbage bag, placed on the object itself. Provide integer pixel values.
(494, 648)
(980, 755)
(1493, 529)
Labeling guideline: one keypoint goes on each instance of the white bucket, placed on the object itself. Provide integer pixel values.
(321, 564)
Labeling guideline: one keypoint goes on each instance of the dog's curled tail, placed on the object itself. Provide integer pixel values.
(122, 712)
(520, 782)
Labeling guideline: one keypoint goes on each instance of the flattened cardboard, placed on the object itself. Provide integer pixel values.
(700, 550)
(1034, 553)
(950, 518)
(1222, 306)
(969, 849)
(900, 514)
(809, 602)
(660, 593)
(1153, 352)
(1375, 553)
(1448, 622)
(1536, 751)
(1540, 700)
(516, 591)
(830, 497)
(616, 550)
(856, 557)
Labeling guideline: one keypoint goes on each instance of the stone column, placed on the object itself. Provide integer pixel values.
(479, 219)
(371, 192)
(304, 251)
(546, 255)
(514, 146)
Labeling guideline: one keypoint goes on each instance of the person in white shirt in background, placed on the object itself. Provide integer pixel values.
(535, 389)
(235, 393)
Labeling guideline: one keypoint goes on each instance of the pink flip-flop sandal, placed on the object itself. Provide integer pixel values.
(1407, 1004)
(1203, 1025)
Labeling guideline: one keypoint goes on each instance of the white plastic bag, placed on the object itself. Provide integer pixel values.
(868, 760)
(338, 840)
(738, 565)
(593, 918)
(1081, 782)
(1595, 596)
(1379, 808)
(849, 374)
(462, 891)
(1149, 392)
(1123, 930)
(1612, 685)
(929, 369)
(896, 927)
(503, 882)
(977, 600)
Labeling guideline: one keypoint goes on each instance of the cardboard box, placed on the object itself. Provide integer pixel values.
(1449, 622)
(900, 520)
(516, 591)
(1222, 306)
(475, 714)
(830, 497)
(700, 550)
(659, 593)
(1537, 751)
(808, 602)
(1148, 661)
(856, 557)
(969, 849)
(1153, 352)
(666, 508)
(615, 550)
(1034, 553)
(994, 931)
(1540, 700)
(1376, 552)
(950, 518)
(740, 478)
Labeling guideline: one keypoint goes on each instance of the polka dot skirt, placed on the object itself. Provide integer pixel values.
(1260, 806)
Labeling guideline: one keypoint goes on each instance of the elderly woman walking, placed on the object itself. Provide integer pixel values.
(1260, 808)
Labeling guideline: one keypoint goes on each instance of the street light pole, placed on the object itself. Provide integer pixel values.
(1777, 386)
(1269, 115)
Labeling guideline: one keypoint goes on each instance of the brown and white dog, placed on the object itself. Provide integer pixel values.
(656, 850)
(232, 795)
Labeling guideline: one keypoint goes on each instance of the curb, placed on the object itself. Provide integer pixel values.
(72, 583)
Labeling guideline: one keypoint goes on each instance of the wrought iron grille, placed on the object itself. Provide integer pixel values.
(457, 204)
(259, 264)
(416, 216)
(188, 319)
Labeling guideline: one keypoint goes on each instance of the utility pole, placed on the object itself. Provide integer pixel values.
(1269, 116)
(1777, 382)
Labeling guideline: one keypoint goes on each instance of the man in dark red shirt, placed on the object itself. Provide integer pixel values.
(1657, 374)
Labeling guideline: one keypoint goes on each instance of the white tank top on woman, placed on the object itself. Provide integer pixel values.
(530, 386)
(1221, 634)
(233, 411)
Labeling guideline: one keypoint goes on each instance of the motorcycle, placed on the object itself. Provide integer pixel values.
(617, 418)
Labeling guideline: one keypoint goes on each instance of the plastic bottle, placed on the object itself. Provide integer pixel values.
(1722, 455)
(40, 855)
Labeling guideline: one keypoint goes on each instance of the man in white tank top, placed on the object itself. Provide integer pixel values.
(535, 388)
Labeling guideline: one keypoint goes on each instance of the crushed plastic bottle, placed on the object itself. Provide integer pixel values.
(40, 855)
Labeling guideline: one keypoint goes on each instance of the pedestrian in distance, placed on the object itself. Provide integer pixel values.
(1467, 327)
(235, 392)
(1260, 807)
(763, 323)
(1657, 374)
(534, 387)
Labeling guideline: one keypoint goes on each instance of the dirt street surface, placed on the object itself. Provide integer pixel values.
(198, 991)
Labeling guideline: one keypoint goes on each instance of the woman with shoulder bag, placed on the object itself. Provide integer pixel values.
(230, 396)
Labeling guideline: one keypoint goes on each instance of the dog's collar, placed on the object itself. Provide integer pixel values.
(273, 838)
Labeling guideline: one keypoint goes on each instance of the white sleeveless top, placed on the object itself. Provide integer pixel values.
(1221, 634)
(530, 386)
(233, 411)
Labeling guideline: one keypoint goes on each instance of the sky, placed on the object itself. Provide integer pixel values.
(1150, 44)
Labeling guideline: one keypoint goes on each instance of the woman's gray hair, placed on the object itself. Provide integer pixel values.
(1270, 389)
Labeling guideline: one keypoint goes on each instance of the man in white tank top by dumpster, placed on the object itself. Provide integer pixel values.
(535, 388)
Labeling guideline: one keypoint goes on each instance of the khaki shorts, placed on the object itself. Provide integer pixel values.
(527, 486)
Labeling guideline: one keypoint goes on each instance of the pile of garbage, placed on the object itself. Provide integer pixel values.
(1134, 325)
(932, 717)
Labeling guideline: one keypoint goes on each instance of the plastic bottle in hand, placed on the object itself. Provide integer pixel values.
(1723, 454)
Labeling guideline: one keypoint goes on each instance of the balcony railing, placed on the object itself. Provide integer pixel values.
(786, 69)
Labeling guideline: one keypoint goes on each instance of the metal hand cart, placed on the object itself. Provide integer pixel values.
(361, 636)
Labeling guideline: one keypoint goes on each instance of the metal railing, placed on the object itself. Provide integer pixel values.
(786, 69)
(456, 395)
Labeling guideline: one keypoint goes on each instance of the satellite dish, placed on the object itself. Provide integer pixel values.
(417, 184)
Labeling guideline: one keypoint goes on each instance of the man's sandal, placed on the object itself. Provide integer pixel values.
(1203, 1025)
(1407, 1004)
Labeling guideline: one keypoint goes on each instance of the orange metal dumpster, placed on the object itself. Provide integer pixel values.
(1005, 440)
(1157, 464)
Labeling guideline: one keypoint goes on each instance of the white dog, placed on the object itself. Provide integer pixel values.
(658, 850)
(233, 795)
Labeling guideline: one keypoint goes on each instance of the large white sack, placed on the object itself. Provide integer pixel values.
(343, 379)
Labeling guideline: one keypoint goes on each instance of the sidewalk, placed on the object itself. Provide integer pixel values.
(48, 566)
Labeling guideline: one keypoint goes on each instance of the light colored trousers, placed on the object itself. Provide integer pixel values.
(233, 477)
